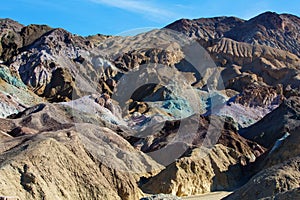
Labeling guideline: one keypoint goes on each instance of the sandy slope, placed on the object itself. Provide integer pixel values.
(209, 196)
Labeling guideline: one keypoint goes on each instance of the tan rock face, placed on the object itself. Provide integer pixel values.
(244, 64)
(196, 174)
(60, 87)
(279, 180)
(58, 173)
(66, 160)
(204, 170)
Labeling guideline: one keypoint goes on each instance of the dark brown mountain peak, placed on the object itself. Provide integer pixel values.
(33, 32)
(58, 37)
(280, 31)
(269, 20)
(205, 28)
(270, 29)
(6, 23)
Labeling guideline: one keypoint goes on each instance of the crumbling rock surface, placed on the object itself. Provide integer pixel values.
(203, 169)
(274, 125)
(275, 182)
(57, 158)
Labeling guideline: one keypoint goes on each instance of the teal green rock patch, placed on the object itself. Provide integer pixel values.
(6, 75)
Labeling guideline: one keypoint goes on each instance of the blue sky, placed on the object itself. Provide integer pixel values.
(86, 17)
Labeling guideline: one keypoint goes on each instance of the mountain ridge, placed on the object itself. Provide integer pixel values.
(255, 26)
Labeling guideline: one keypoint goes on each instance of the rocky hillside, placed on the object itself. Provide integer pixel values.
(47, 147)
(203, 105)
(269, 28)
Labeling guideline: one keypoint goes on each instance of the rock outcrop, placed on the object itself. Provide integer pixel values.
(274, 125)
(245, 63)
(58, 159)
(277, 182)
(204, 170)
(10, 39)
(14, 94)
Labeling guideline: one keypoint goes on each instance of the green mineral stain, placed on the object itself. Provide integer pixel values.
(7, 77)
